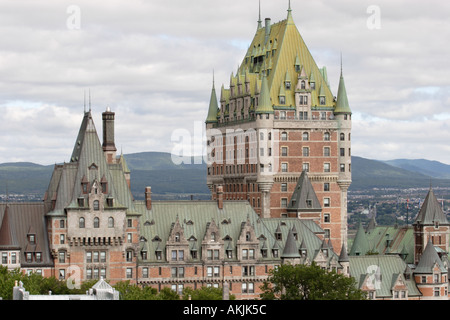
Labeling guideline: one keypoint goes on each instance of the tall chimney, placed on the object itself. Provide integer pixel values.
(109, 147)
(148, 198)
(220, 197)
(267, 30)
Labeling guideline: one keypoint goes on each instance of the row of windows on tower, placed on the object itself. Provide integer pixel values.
(96, 222)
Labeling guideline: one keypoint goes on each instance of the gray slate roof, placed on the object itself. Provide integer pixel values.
(304, 198)
(431, 211)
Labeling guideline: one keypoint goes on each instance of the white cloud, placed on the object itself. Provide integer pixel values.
(152, 63)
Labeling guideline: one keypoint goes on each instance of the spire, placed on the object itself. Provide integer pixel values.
(360, 243)
(342, 105)
(264, 104)
(290, 248)
(213, 106)
(259, 17)
(343, 257)
(290, 20)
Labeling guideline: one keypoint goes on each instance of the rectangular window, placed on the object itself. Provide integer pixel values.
(305, 152)
(284, 151)
(326, 151)
(326, 167)
(326, 202)
(284, 167)
(284, 202)
(129, 273)
(284, 187)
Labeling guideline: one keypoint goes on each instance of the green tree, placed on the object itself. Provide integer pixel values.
(302, 282)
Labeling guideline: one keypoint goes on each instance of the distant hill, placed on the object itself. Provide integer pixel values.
(171, 181)
(431, 168)
(368, 173)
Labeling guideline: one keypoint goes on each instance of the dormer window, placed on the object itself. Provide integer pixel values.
(322, 100)
(32, 239)
(313, 85)
(282, 99)
(302, 84)
(288, 85)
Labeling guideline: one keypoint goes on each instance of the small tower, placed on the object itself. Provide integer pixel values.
(431, 224)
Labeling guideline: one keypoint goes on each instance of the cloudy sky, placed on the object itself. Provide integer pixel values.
(152, 63)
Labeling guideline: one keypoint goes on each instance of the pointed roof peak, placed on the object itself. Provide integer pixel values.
(431, 211)
(213, 105)
(304, 197)
(342, 105)
(290, 248)
(290, 20)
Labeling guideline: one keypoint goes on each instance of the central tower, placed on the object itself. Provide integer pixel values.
(277, 121)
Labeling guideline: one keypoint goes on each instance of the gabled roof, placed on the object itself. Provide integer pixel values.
(8, 238)
(431, 211)
(304, 198)
(22, 216)
(429, 259)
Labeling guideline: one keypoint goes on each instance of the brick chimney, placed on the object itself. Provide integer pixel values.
(109, 147)
(220, 197)
(148, 198)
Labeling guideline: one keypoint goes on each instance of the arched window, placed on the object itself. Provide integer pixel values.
(305, 136)
(342, 135)
(96, 222)
(213, 236)
(326, 136)
(96, 205)
(248, 237)
(177, 237)
(110, 222)
(81, 223)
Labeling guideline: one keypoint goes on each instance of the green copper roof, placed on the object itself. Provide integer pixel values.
(342, 105)
(264, 105)
(360, 244)
(213, 107)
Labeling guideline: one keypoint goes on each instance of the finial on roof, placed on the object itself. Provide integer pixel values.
(289, 16)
